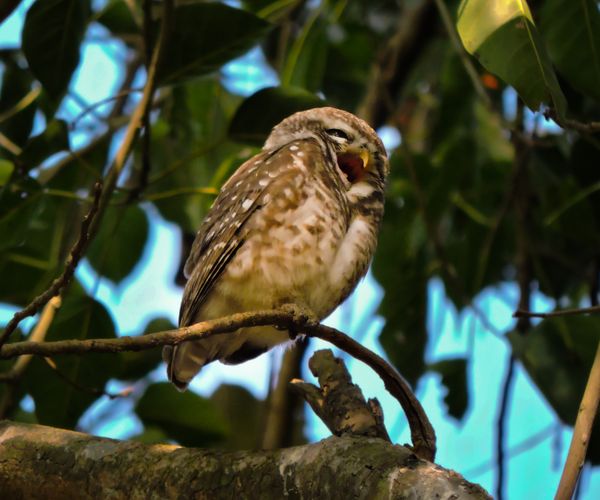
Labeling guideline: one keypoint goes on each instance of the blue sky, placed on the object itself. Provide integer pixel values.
(467, 447)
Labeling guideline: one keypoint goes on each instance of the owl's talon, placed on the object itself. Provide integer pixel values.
(302, 315)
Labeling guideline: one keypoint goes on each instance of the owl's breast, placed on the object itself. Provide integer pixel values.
(289, 249)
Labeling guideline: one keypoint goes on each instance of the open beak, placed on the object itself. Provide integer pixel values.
(354, 164)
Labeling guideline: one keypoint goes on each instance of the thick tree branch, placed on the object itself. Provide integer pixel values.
(48, 463)
(422, 433)
(581, 433)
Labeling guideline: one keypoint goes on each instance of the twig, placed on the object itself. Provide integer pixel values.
(501, 423)
(65, 278)
(581, 432)
(37, 335)
(9, 400)
(84, 388)
(146, 130)
(520, 313)
(585, 128)
(422, 433)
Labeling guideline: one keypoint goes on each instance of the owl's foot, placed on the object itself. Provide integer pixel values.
(302, 315)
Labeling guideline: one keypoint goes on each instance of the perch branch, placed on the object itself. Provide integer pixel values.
(581, 433)
(422, 433)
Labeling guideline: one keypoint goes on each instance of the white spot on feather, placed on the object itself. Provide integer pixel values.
(246, 204)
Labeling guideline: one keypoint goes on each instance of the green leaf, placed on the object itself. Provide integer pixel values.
(506, 42)
(60, 403)
(6, 170)
(243, 414)
(53, 139)
(18, 113)
(52, 35)
(558, 355)
(400, 269)
(571, 30)
(260, 112)
(135, 365)
(116, 16)
(204, 36)
(186, 417)
(120, 242)
(454, 378)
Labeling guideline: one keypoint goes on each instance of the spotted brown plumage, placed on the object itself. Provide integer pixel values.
(297, 223)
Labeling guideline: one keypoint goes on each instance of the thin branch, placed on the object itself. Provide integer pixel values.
(422, 433)
(501, 426)
(583, 127)
(67, 275)
(581, 433)
(521, 313)
(38, 334)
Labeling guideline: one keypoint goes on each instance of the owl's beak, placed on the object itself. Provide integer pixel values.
(353, 163)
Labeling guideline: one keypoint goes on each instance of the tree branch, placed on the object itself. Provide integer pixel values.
(422, 433)
(76, 465)
(581, 433)
(339, 403)
(521, 313)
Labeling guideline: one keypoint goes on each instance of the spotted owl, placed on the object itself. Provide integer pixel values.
(297, 223)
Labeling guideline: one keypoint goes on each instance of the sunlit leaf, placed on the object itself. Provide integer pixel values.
(504, 38)
(204, 37)
(52, 35)
(260, 112)
(185, 417)
(571, 30)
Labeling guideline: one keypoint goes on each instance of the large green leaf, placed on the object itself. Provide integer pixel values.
(571, 29)
(60, 403)
(503, 36)
(400, 269)
(53, 139)
(260, 112)
(135, 365)
(186, 417)
(120, 242)
(52, 35)
(16, 84)
(558, 355)
(454, 378)
(204, 36)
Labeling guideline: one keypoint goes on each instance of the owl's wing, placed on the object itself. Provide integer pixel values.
(223, 231)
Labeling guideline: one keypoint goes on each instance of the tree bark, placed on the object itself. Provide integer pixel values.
(44, 462)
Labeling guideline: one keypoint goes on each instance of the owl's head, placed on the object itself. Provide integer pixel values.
(360, 154)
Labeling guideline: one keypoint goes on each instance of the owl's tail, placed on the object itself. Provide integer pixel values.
(184, 361)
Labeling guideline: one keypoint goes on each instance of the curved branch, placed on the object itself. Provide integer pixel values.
(422, 433)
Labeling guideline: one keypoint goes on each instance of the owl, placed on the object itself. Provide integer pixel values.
(295, 224)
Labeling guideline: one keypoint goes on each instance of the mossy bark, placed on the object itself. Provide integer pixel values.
(44, 462)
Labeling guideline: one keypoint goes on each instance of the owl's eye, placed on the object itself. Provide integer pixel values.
(336, 132)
